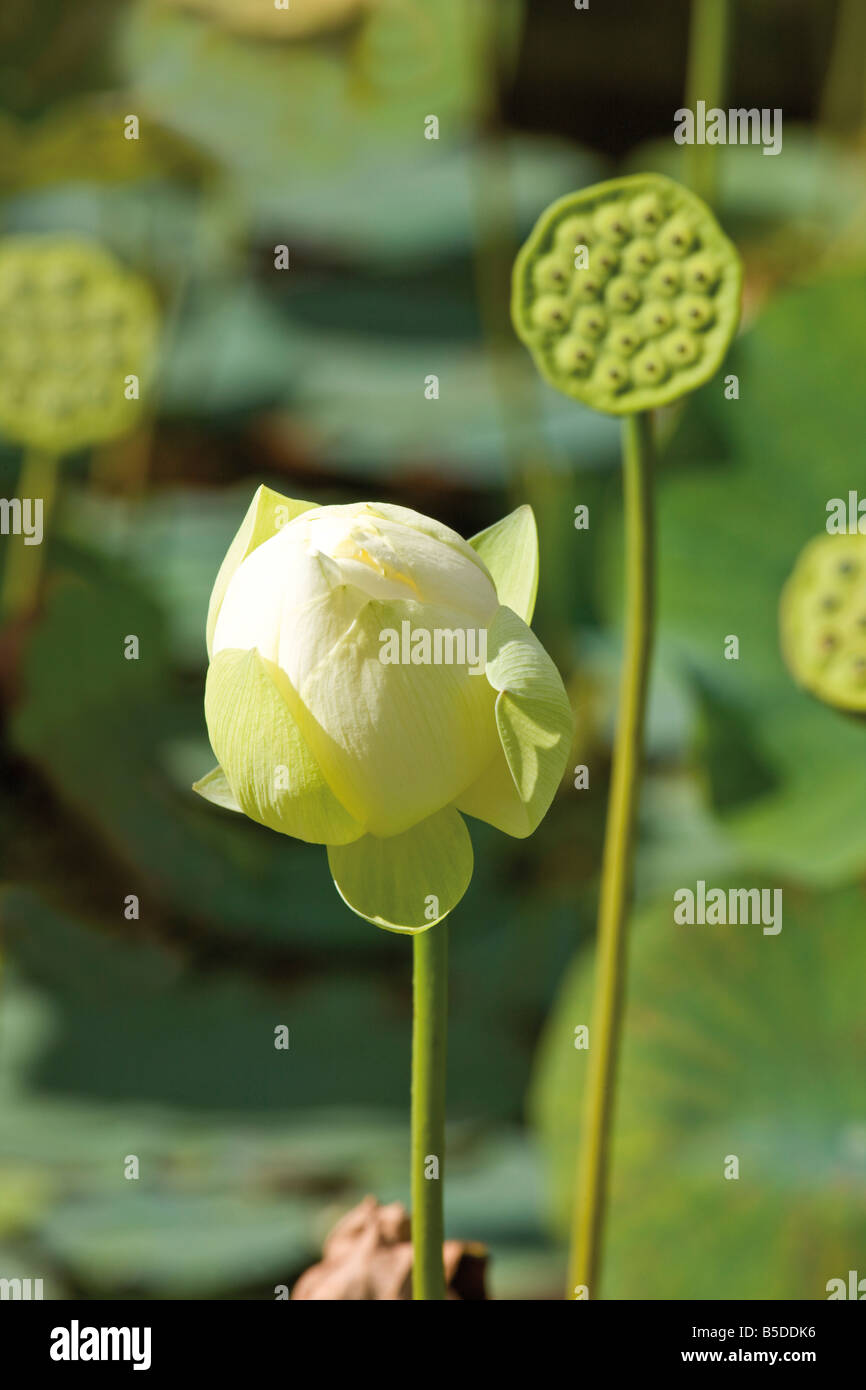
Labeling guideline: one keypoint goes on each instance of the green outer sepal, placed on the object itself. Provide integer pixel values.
(509, 549)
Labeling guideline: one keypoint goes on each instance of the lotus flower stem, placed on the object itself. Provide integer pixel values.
(616, 872)
(23, 571)
(705, 81)
(429, 1028)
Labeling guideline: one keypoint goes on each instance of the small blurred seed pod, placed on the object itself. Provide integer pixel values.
(822, 621)
(81, 326)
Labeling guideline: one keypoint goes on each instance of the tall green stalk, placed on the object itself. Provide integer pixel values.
(22, 574)
(616, 875)
(709, 37)
(429, 1036)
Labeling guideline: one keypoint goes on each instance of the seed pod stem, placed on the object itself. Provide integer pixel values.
(616, 872)
(22, 573)
(705, 81)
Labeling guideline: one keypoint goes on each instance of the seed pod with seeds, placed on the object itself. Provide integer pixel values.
(650, 243)
(822, 621)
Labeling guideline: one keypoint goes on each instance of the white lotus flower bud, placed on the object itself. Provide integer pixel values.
(371, 675)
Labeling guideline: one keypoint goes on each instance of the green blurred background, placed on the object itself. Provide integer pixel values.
(154, 1036)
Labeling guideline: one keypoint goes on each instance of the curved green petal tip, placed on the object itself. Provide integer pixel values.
(267, 514)
(535, 726)
(214, 787)
(274, 777)
(627, 293)
(408, 882)
(509, 549)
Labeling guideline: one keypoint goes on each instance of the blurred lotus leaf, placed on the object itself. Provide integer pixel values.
(737, 1045)
(267, 111)
(398, 211)
(823, 620)
(74, 327)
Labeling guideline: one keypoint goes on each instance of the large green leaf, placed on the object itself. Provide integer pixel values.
(736, 1043)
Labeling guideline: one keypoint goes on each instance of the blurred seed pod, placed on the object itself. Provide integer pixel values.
(822, 619)
(650, 316)
(75, 326)
(82, 140)
(261, 19)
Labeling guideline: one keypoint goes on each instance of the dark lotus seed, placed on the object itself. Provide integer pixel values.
(605, 259)
(572, 232)
(611, 225)
(650, 367)
(591, 321)
(701, 273)
(828, 642)
(623, 293)
(666, 279)
(829, 603)
(625, 341)
(613, 373)
(677, 237)
(681, 349)
(640, 256)
(587, 286)
(572, 354)
(551, 273)
(548, 312)
(847, 567)
(657, 318)
(646, 212)
(694, 312)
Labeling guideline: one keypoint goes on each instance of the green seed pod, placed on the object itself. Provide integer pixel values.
(669, 282)
(75, 325)
(822, 621)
